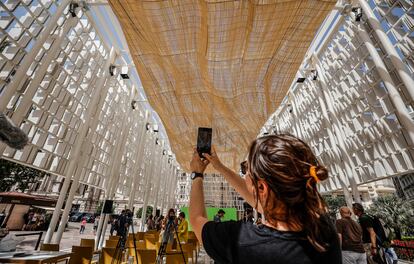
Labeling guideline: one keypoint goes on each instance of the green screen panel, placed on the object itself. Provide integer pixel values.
(231, 214)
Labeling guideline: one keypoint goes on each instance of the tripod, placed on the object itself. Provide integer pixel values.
(163, 247)
(120, 247)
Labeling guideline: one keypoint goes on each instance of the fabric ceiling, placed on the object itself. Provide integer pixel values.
(216, 63)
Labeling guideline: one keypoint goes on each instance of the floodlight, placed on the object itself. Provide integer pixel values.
(134, 104)
(124, 72)
(72, 9)
(112, 70)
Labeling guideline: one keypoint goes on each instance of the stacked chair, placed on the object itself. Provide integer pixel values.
(147, 247)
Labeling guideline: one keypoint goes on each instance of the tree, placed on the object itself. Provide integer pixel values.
(334, 204)
(12, 174)
(395, 212)
(149, 211)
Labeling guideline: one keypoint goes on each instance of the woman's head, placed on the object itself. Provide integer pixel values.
(282, 173)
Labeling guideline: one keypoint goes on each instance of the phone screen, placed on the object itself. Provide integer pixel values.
(204, 140)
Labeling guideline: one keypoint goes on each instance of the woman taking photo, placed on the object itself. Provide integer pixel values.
(280, 182)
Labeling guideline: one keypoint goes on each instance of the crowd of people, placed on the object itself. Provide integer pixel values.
(167, 226)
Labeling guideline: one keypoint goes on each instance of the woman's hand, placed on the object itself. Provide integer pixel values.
(198, 165)
(213, 159)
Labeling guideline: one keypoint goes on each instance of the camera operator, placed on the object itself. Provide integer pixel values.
(169, 227)
(125, 220)
(280, 183)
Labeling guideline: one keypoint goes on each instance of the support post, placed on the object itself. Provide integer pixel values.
(348, 164)
(138, 161)
(400, 108)
(389, 49)
(77, 148)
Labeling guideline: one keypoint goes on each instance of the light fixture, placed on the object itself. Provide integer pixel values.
(112, 70)
(148, 126)
(124, 72)
(134, 104)
(358, 13)
(300, 80)
(314, 74)
(72, 9)
(156, 128)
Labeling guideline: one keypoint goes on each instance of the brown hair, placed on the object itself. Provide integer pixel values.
(284, 162)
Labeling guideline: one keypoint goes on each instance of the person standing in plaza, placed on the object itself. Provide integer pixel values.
(369, 237)
(350, 237)
(95, 224)
(83, 226)
(219, 215)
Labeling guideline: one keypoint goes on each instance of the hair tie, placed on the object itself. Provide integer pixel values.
(312, 173)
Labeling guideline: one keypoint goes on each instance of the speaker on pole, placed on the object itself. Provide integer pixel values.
(107, 208)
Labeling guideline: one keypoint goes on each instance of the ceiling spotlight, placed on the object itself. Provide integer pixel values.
(314, 74)
(148, 126)
(358, 13)
(112, 70)
(134, 104)
(124, 72)
(72, 9)
(300, 80)
(156, 128)
(157, 141)
(164, 152)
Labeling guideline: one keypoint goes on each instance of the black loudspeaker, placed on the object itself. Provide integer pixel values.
(107, 208)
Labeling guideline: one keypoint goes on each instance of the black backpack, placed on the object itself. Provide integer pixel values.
(377, 225)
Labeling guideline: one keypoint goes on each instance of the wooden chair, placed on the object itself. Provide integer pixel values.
(113, 238)
(150, 242)
(140, 235)
(111, 243)
(177, 258)
(194, 244)
(107, 255)
(189, 249)
(87, 242)
(81, 255)
(130, 246)
(147, 256)
(49, 247)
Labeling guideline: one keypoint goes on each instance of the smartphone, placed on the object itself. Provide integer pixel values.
(204, 140)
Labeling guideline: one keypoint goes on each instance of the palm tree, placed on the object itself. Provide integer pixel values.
(395, 212)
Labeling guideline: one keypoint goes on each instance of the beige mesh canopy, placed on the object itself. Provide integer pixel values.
(220, 64)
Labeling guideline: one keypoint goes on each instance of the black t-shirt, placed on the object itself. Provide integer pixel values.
(240, 242)
(365, 221)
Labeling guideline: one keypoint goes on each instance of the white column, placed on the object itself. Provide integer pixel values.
(154, 163)
(160, 174)
(165, 186)
(138, 161)
(20, 75)
(400, 108)
(339, 163)
(83, 129)
(349, 166)
(82, 159)
(173, 187)
(116, 165)
(389, 49)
